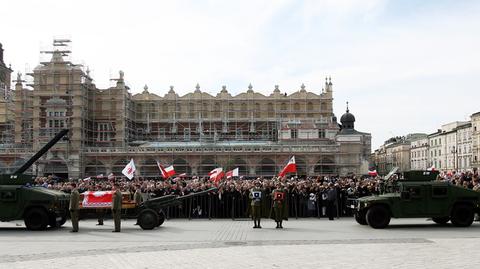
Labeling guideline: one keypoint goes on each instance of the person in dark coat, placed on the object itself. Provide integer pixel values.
(331, 201)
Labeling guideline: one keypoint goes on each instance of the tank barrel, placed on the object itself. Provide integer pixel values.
(42, 151)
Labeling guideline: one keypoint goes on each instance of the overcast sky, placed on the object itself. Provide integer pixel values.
(404, 66)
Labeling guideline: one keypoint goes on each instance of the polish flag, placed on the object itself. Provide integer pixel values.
(232, 173)
(183, 175)
(129, 170)
(432, 168)
(166, 172)
(291, 167)
(97, 199)
(373, 173)
(111, 176)
(216, 174)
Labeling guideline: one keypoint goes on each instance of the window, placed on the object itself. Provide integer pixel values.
(186, 134)
(7, 195)
(294, 133)
(414, 191)
(238, 133)
(321, 133)
(439, 192)
(161, 133)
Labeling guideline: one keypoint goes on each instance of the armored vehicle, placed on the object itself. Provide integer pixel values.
(37, 206)
(419, 195)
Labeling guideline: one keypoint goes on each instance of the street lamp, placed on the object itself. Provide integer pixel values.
(454, 152)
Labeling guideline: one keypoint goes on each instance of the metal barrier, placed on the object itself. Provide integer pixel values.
(236, 205)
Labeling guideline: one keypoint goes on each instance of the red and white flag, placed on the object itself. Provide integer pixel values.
(232, 173)
(183, 175)
(111, 176)
(291, 167)
(432, 168)
(373, 173)
(129, 170)
(216, 174)
(97, 199)
(166, 172)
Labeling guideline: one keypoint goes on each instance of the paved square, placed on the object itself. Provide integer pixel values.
(407, 243)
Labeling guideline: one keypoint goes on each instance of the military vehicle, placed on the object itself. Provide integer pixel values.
(419, 195)
(37, 206)
(151, 212)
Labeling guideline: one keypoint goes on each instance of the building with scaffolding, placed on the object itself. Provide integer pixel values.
(7, 121)
(196, 132)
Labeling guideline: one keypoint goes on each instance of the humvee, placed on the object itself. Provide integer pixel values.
(39, 207)
(419, 195)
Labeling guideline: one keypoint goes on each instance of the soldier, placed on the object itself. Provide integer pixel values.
(100, 216)
(137, 197)
(73, 207)
(279, 206)
(117, 207)
(256, 196)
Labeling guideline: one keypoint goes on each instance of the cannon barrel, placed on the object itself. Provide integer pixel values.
(171, 200)
(42, 151)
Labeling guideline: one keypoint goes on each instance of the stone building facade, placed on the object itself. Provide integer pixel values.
(451, 148)
(475, 120)
(419, 153)
(195, 132)
(6, 108)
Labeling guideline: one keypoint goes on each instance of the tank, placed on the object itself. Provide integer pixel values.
(420, 195)
(37, 206)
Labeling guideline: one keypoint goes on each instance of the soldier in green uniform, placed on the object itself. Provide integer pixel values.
(279, 196)
(137, 197)
(73, 207)
(117, 207)
(256, 196)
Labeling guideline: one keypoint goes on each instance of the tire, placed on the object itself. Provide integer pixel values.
(36, 219)
(361, 218)
(161, 218)
(148, 219)
(57, 224)
(462, 215)
(378, 217)
(441, 220)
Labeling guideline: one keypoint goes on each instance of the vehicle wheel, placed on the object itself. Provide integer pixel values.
(441, 220)
(360, 218)
(57, 224)
(378, 217)
(62, 221)
(148, 219)
(462, 215)
(36, 219)
(161, 218)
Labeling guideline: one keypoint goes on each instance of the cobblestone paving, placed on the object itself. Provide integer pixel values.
(234, 244)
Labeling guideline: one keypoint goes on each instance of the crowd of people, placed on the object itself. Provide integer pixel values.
(306, 196)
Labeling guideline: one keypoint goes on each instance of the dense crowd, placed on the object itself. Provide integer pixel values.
(307, 197)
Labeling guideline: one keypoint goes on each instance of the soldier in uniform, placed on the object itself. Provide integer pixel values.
(137, 197)
(256, 196)
(73, 207)
(117, 207)
(100, 215)
(279, 196)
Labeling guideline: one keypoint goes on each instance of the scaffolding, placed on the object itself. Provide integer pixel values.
(110, 126)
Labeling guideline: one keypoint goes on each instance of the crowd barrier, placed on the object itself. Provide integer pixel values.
(236, 205)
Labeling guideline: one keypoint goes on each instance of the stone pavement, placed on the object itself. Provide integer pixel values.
(407, 243)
